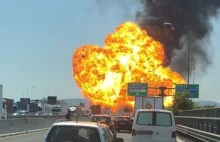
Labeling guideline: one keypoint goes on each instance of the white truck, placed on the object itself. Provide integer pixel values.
(64, 109)
(56, 110)
(148, 103)
(3, 106)
(4, 109)
(47, 109)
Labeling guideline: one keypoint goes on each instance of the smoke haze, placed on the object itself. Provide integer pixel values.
(196, 15)
(193, 14)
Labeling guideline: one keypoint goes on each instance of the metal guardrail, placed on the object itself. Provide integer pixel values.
(198, 134)
(38, 116)
(207, 124)
(205, 112)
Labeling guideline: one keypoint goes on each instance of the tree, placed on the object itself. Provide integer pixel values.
(182, 102)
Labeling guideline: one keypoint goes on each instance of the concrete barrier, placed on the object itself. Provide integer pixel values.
(23, 132)
(35, 116)
(20, 125)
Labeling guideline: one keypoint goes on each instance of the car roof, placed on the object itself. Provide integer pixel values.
(80, 123)
(101, 115)
(154, 110)
(123, 116)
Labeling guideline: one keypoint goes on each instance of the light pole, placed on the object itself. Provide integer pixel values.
(188, 49)
(28, 89)
(194, 73)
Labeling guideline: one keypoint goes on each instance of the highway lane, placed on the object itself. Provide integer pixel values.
(38, 137)
(127, 137)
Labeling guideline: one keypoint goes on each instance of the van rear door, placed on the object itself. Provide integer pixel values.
(142, 130)
(164, 130)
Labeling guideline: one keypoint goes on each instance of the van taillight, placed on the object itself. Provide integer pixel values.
(173, 134)
(133, 132)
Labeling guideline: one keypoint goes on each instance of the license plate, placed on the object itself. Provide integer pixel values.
(122, 123)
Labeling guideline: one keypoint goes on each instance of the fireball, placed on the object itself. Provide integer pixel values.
(128, 55)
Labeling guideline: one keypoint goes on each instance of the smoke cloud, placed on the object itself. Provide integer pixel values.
(193, 14)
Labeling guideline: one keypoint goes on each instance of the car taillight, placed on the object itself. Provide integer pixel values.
(133, 132)
(173, 135)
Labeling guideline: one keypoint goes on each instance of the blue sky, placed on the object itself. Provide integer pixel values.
(38, 38)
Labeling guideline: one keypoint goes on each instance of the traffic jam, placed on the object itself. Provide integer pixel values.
(147, 124)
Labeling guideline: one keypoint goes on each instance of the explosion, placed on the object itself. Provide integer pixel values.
(128, 55)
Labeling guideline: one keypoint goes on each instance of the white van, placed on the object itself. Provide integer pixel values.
(153, 126)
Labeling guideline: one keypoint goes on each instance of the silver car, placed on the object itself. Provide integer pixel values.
(71, 131)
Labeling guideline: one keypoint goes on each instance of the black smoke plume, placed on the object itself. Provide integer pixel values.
(195, 15)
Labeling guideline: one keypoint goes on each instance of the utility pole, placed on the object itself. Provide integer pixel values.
(194, 73)
(188, 48)
(189, 40)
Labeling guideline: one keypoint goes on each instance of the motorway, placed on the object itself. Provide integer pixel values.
(38, 137)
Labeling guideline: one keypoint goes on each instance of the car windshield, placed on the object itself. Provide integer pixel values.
(101, 118)
(73, 134)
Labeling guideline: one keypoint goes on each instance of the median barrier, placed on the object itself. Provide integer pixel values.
(34, 116)
(21, 125)
(23, 132)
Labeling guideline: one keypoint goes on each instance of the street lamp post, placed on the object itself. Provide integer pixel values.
(188, 49)
(194, 73)
(28, 89)
(28, 104)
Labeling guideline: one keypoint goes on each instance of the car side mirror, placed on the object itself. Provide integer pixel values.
(119, 140)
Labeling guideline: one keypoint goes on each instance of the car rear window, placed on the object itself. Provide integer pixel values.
(154, 119)
(122, 119)
(73, 133)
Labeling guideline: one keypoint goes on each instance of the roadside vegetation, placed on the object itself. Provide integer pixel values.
(183, 102)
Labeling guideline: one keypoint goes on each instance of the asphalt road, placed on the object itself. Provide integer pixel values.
(38, 137)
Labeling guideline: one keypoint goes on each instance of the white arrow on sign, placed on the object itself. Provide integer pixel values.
(137, 93)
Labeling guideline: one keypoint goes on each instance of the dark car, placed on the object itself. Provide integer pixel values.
(105, 119)
(123, 123)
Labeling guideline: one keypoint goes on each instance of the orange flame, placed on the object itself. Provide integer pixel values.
(129, 55)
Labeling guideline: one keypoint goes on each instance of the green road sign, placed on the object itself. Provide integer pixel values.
(193, 89)
(137, 89)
